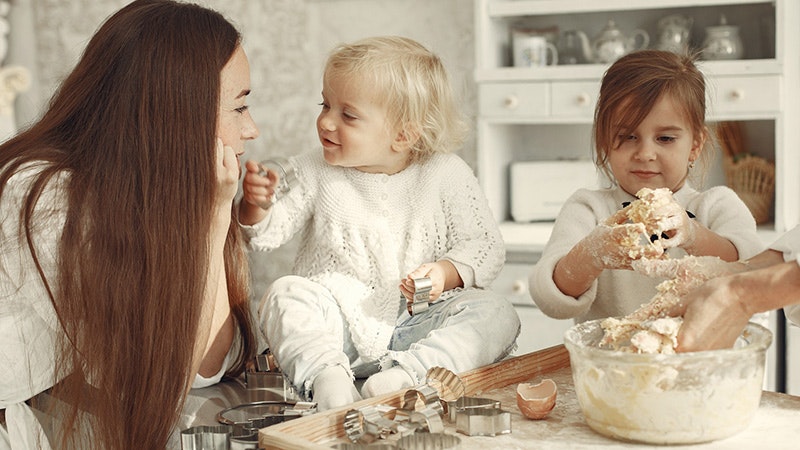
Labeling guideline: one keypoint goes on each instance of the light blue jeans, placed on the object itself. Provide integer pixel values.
(307, 332)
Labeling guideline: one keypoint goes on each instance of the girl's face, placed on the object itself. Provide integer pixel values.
(658, 152)
(234, 124)
(355, 130)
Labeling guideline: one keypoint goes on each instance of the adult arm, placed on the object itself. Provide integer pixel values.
(216, 330)
(716, 312)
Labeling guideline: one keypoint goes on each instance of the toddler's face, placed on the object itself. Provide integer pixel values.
(355, 130)
(658, 152)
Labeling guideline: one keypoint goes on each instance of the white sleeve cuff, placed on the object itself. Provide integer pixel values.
(201, 381)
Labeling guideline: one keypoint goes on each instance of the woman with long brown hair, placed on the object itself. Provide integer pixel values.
(122, 281)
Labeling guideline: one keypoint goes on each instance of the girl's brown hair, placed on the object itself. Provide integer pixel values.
(632, 86)
(134, 129)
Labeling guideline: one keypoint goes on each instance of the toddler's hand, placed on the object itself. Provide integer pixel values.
(429, 270)
(259, 190)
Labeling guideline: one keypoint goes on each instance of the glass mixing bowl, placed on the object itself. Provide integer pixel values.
(682, 398)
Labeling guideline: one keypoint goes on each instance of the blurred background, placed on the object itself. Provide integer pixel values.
(286, 41)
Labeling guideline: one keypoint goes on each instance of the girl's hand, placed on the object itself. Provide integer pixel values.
(227, 176)
(433, 271)
(616, 247)
(259, 190)
(614, 244)
(680, 230)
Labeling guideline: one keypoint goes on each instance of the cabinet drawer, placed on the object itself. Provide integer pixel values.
(514, 99)
(755, 94)
(512, 283)
(575, 99)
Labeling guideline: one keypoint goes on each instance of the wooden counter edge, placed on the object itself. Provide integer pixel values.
(308, 432)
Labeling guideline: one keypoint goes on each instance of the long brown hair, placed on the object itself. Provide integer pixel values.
(632, 86)
(134, 128)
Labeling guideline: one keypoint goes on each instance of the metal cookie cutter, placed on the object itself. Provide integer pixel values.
(257, 415)
(483, 422)
(464, 403)
(368, 423)
(428, 441)
(422, 293)
(286, 176)
(427, 419)
(263, 373)
(447, 384)
(264, 380)
(206, 438)
(422, 397)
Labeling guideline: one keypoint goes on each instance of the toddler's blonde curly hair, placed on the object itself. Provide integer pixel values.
(414, 86)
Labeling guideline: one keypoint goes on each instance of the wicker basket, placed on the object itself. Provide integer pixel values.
(753, 179)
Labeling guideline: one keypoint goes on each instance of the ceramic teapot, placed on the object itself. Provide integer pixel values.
(722, 41)
(673, 33)
(611, 44)
(574, 48)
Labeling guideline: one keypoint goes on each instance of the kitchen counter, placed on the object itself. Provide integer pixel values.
(776, 424)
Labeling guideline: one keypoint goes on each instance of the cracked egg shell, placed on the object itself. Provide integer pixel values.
(535, 401)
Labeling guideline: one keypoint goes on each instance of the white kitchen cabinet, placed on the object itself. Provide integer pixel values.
(545, 113)
(538, 331)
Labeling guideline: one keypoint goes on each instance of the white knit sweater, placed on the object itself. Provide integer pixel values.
(362, 233)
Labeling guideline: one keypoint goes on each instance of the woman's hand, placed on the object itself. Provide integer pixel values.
(227, 177)
(714, 315)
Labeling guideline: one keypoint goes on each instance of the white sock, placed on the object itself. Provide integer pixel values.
(389, 380)
(333, 388)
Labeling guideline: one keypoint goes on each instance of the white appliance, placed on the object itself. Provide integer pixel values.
(792, 357)
(539, 188)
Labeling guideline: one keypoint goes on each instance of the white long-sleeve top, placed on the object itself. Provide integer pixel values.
(789, 244)
(363, 232)
(619, 292)
(28, 322)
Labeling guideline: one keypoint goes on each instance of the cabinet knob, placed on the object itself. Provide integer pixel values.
(737, 94)
(511, 102)
(583, 99)
(519, 287)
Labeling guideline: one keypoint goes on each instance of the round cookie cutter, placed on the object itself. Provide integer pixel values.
(448, 385)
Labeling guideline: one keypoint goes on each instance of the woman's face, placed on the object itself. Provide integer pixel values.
(234, 124)
(658, 152)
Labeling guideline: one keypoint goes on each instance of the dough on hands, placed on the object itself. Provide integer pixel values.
(645, 209)
(649, 329)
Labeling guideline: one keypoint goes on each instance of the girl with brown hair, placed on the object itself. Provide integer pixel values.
(123, 279)
(649, 132)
